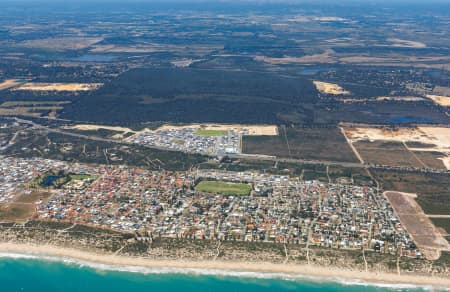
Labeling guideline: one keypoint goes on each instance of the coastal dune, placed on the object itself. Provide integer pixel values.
(333, 273)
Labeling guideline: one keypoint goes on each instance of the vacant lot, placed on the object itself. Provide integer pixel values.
(16, 211)
(224, 188)
(302, 143)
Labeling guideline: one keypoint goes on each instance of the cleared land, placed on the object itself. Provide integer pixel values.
(9, 83)
(425, 234)
(35, 86)
(23, 207)
(415, 140)
(224, 188)
(330, 88)
(302, 143)
(439, 99)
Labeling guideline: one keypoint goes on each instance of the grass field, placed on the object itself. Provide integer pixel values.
(224, 188)
(203, 132)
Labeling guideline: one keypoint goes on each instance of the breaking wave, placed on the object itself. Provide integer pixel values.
(215, 272)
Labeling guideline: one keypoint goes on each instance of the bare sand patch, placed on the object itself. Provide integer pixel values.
(330, 88)
(439, 99)
(36, 86)
(9, 83)
(85, 127)
(433, 138)
(382, 98)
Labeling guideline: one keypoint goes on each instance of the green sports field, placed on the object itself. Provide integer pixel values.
(202, 132)
(224, 188)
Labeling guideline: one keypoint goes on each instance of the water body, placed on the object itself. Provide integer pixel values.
(49, 180)
(18, 273)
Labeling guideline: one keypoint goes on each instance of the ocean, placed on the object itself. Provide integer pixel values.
(48, 274)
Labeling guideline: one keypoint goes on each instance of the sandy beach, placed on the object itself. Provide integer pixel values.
(309, 270)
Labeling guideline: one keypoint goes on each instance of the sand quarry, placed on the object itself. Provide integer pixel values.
(330, 88)
(32, 86)
(435, 138)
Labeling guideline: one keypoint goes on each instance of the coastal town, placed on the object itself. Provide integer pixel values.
(272, 208)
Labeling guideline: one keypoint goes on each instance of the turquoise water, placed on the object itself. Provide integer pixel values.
(37, 275)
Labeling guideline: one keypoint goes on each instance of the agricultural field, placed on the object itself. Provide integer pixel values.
(32, 108)
(386, 153)
(224, 188)
(302, 143)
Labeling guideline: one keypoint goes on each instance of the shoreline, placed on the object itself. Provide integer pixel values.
(214, 266)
